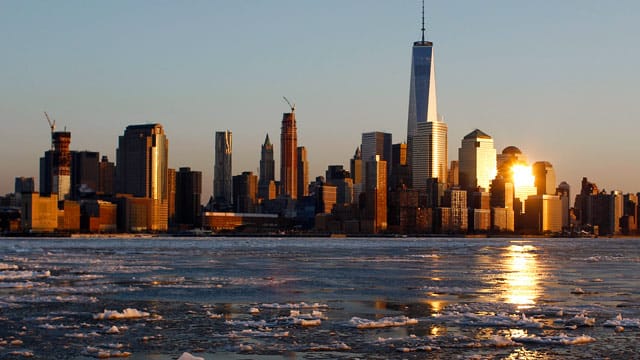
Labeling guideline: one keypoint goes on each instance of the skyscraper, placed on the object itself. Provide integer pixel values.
(376, 195)
(477, 156)
(188, 192)
(426, 134)
(429, 154)
(267, 170)
(106, 176)
(142, 162)
(55, 166)
(222, 179)
(84, 173)
(289, 155)
(374, 144)
(303, 172)
(142, 171)
(545, 178)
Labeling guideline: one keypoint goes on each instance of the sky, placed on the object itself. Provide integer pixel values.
(558, 79)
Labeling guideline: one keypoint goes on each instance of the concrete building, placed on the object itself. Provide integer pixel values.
(374, 144)
(39, 213)
(543, 215)
(400, 177)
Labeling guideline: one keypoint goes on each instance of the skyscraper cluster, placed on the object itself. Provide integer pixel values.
(410, 187)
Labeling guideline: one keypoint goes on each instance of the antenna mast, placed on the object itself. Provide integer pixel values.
(423, 21)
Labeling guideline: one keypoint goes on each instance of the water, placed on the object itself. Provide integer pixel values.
(272, 298)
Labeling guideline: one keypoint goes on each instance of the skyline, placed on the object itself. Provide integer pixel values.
(104, 66)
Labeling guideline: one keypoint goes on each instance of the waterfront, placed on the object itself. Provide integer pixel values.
(320, 298)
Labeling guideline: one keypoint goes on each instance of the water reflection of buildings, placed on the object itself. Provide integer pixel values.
(521, 277)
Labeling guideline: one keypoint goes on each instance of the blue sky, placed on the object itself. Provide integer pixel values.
(557, 79)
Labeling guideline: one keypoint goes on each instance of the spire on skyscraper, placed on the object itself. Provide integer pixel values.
(423, 21)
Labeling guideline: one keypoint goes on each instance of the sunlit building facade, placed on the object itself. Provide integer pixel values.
(477, 161)
(429, 154)
(545, 178)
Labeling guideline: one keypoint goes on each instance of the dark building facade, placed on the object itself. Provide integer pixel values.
(188, 208)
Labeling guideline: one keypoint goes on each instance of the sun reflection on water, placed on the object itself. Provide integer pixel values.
(521, 278)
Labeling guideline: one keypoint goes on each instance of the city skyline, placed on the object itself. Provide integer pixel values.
(488, 76)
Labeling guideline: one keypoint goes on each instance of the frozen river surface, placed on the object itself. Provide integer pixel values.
(272, 298)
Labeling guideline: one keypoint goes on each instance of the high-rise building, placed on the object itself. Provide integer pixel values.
(510, 156)
(400, 176)
(289, 156)
(426, 144)
(24, 185)
(106, 176)
(429, 154)
(84, 173)
(171, 196)
(376, 195)
(188, 197)
(222, 183)
(267, 170)
(477, 161)
(355, 167)
(374, 144)
(545, 178)
(142, 170)
(245, 191)
(55, 167)
(303, 172)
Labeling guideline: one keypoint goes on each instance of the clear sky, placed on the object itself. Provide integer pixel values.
(558, 79)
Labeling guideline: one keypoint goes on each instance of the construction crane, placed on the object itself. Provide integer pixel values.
(293, 107)
(52, 125)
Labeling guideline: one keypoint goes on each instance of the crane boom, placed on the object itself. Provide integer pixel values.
(293, 107)
(52, 124)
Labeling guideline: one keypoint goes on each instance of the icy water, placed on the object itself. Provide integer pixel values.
(366, 298)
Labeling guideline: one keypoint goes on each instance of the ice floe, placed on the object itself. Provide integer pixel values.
(125, 314)
(561, 339)
(22, 275)
(619, 321)
(187, 356)
(500, 319)
(105, 352)
(5, 266)
(402, 320)
(301, 305)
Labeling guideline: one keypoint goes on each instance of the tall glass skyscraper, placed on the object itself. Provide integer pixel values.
(426, 159)
(222, 180)
(477, 157)
(289, 156)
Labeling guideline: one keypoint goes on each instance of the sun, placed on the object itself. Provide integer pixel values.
(522, 175)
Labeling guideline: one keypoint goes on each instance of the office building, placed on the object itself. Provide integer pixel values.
(426, 144)
(545, 178)
(106, 176)
(303, 172)
(222, 182)
(245, 192)
(142, 171)
(374, 144)
(171, 197)
(85, 173)
(400, 177)
(355, 166)
(477, 161)
(266, 181)
(429, 154)
(289, 156)
(375, 216)
(188, 207)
